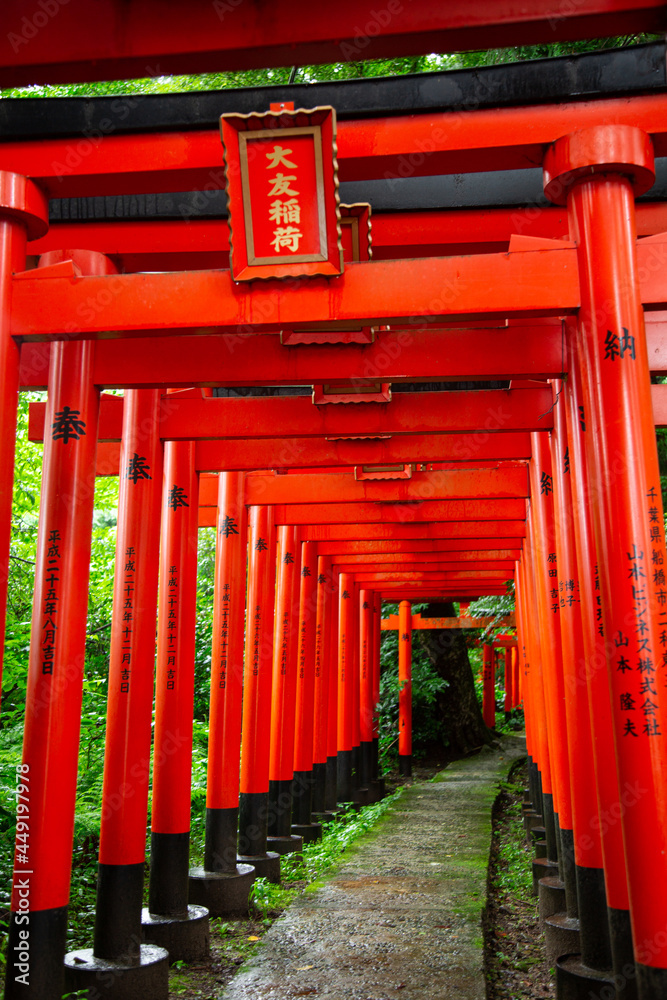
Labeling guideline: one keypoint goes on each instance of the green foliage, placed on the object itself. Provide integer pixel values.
(156, 83)
(494, 606)
(515, 873)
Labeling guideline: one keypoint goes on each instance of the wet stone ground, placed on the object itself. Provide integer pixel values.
(401, 917)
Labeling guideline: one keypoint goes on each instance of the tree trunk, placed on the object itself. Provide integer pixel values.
(457, 705)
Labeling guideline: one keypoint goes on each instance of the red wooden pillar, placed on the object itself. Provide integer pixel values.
(222, 885)
(324, 598)
(305, 694)
(356, 703)
(545, 569)
(535, 730)
(377, 650)
(24, 213)
(509, 682)
(611, 802)
(57, 649)
(516, 679)
(366, 643)
(346, 638)
(55, 676)
(405, 688)
(590, 902)
(488, 686)
(120, 877)
(283, 690)
(255, 739)
(169, 921)
(523, 667)
(598, 171)
(538, 696)
(331, 791)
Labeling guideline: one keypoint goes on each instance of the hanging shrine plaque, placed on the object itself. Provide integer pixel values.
(282, 186)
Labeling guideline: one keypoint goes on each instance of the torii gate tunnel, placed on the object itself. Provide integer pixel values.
(469, 405)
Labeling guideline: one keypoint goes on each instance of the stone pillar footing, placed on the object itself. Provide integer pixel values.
(551, 897)
(575, 981)
(285, 845)
(531, 819)
(561, 937)
(222, 893)
(543, 868)
(266, 865)
(325, 817)
(362, 797)
(185, 938)
(147, 980)
(309, 832)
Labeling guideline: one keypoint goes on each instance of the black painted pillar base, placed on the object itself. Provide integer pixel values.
(532, 819)
(120, 891)
(622, 955)
(550, 828)
(533, 782)
(575, 981)
(35, 968)
(220, 840)
(168, 921)
(222, 885)
(405, 765)
(302, 797)
(147, 979)
(119, 965)
(302, 817)
(543, 868)
(222, 893)
(366, 762)
(186, 938)
(568, 873)
(253, 822)
(168, 883)
(331, 786)
(344, 776)
(651, 982)
(280, 806)
(356, 769)
(593, 918)
(318, 804)
(378, 784)
(375, 758)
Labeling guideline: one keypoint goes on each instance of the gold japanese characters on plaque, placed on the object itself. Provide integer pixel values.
(282, 187)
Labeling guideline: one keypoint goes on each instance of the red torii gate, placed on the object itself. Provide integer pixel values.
(552, 280)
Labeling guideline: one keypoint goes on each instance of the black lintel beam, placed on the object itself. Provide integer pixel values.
(636, 69)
